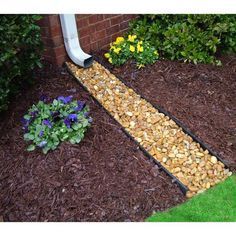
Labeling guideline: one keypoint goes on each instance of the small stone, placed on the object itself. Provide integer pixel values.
(171, 155)
(208, 185)
(132, 124)
(164, 159)
(213, 160)
(129, 113)
(189, 194)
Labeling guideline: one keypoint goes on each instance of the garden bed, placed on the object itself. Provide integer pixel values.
(104, 178)
(201, 96)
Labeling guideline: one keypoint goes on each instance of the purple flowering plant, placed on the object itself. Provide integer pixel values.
(47, 124)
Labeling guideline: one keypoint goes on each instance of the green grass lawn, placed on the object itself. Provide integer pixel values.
(216, 204)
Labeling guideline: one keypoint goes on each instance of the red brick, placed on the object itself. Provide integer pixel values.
(87, 48)
(55, 31)
(61, 59)
(93, 46)
(102, 25)
(95, 18)
(104, 42)
(83, 22)
(112, 29)
(59, 51)
(98, 35)
(129, 16)
(81, 16)
(85, 41)
(109, 15)
(54, 20)
(87, 31)
(124, 25)
(58, 41)
(116, 20)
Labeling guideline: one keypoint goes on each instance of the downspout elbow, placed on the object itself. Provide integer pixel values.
(71, 41)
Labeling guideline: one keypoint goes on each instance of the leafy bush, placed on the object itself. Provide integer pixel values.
(48, 124)
(192, 38)
(20, 48)
(124, 49)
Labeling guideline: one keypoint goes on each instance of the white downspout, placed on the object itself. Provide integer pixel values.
(71, 41)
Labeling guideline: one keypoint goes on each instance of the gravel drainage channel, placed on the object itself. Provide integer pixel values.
(182, 157)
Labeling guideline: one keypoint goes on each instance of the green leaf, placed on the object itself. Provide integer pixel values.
(31, 148)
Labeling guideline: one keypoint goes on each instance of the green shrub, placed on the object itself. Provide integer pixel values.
(48, 124)
(131, 47)
(20, 48)
(192, 38)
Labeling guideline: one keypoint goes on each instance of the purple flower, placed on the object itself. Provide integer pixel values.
(86, 114)
(25, 123)
(65, 100)
(42, 144)
(67, 122)
(43, 98)
(72, 117)
(47, 123)
(34, 114)
(81, 105)
(41, 133)
(90, 120)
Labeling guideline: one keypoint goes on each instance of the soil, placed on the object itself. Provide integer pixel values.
(202, 97)
(104, 178)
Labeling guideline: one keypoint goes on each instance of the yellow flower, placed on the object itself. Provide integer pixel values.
(119, 40)
(107, 55)
(139, 48)
(132, 48)
(156, 53)
(131, 38)
(110, 60)
(112, 47)
(140, 42)
(117, 50)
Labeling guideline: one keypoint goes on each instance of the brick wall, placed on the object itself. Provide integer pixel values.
(95, 32)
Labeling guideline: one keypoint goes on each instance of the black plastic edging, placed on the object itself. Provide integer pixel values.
(183, 187)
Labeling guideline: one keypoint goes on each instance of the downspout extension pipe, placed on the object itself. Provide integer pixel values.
(71, 41)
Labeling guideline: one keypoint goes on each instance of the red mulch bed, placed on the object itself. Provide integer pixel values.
(203, 97)
(104, 178)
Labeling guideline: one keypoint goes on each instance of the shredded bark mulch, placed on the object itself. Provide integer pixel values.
(104, 178)
(203, 97)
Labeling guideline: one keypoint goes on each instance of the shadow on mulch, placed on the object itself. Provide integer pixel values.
(203, 97)
(104, 178)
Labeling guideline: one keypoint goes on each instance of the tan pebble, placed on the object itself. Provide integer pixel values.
(164, 159)
(171, 155)
(193, 189)
(199, 154)
(129, 113)
(189, 194)
(132, 124)
(179, 175)
(213, 160)
(208, 185)
(177, 169)
(139, 140)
